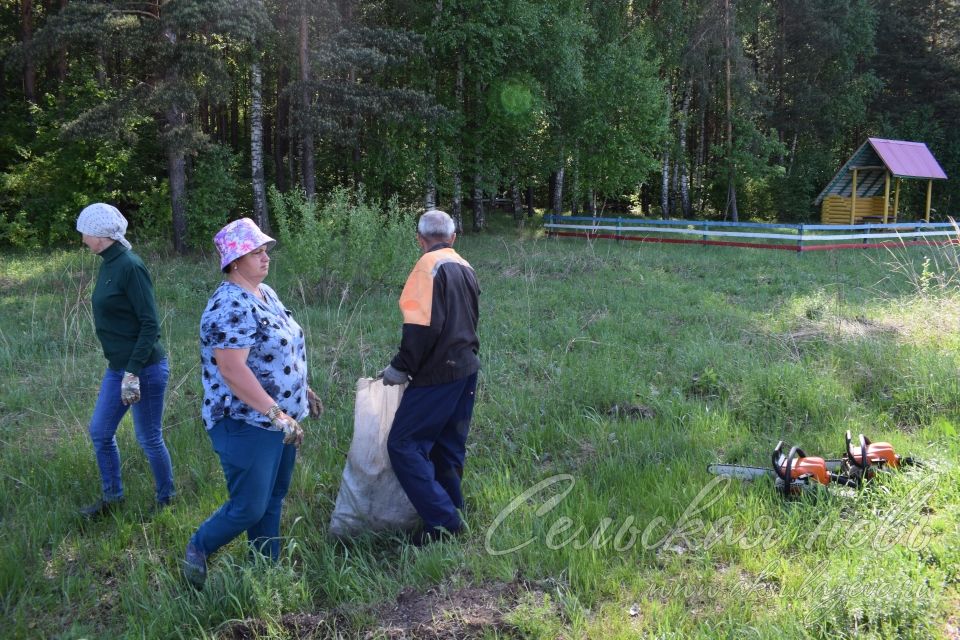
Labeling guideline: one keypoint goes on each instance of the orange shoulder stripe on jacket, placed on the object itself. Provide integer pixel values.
(416, 300)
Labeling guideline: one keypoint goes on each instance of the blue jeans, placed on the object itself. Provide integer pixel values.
(147, 424)
(427, 446)
(258, 468)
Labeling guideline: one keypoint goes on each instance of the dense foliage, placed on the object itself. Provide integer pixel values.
(182, 112)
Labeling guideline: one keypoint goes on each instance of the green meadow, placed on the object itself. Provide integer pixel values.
(614, 373)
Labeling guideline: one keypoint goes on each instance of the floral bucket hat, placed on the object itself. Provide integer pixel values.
(239, 238)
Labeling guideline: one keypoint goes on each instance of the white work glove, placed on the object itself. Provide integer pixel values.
(292, 431)
(130, 389)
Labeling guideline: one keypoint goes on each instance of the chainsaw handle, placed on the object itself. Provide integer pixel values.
(865, 443)
(787, 474)
(865, 452)
(775, 457)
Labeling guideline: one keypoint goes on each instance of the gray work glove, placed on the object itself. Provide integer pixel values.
(130, 389)
(393, 376)
(315, 404)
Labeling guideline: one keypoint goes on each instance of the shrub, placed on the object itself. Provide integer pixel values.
(346, 240)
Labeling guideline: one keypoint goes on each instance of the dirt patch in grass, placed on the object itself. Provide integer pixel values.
(297, 625)
(629, 411)
(857, 327)
(439, 613)
(8, 285)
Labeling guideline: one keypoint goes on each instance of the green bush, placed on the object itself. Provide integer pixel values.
(346, 240)
(212, 194)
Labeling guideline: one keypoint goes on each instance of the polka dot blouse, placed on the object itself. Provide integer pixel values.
(235, 319)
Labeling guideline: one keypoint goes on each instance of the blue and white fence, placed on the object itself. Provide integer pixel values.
(756, 235)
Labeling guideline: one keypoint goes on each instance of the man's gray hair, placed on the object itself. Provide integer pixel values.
(436, 225)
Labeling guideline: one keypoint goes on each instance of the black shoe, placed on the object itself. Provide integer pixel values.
(194, 566)
(99, 508)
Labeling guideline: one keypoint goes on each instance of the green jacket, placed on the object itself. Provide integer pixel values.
(125, 312)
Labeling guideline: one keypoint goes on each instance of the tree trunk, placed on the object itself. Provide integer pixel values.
(176, 120)
(354, 121)
(281, 142)
(682, 160)
(457, 213)
(101, 68)
(479, 216)
(665, 184)
(306, 117)
(430, 196)
(591, 203)
(235, 121)
(675, 186)
(256, 148)
(575, 186)
(529, 201)
(556, 196)
(665, 161)
(698, 168)
(457, 209)
(61, 64)
(177, 174)
(26, 36)
(731, 208)
(515, 198)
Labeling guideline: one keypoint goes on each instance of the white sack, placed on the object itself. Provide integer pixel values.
(370, 496)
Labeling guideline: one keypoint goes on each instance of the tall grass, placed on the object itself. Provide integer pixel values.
(727, 351)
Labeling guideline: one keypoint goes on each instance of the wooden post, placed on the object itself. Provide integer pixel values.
(886, 195)
(929, 193)
(896, 200)
(853, 198)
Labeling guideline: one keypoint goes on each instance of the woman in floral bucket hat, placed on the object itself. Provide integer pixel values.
(255, 393)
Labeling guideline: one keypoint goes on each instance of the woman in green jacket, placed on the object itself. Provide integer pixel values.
(125, 317)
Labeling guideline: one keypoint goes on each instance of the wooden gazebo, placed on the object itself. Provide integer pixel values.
(853, 196)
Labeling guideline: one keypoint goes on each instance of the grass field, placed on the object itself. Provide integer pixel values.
(612, 376)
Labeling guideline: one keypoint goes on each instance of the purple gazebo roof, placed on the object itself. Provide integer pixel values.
(874, 159)
(907, 159)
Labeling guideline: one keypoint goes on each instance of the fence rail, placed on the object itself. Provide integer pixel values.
(757, 235)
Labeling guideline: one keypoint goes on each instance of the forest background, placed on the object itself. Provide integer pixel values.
(185, 113)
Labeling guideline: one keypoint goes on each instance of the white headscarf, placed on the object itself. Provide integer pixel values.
(103, 221)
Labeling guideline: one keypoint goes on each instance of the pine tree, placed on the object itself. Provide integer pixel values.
(168, 61)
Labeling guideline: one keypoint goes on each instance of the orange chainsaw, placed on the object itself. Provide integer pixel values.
(796, 470)
(861, 463)
(792, 472)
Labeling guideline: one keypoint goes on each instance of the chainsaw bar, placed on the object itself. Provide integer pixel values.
(742, 472)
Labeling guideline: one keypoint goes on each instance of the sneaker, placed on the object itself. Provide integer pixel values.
(99, 508)
(194, 566)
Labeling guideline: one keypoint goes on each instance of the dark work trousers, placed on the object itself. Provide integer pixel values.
(427, 446)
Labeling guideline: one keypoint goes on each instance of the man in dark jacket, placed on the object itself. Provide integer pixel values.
(438, 357)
